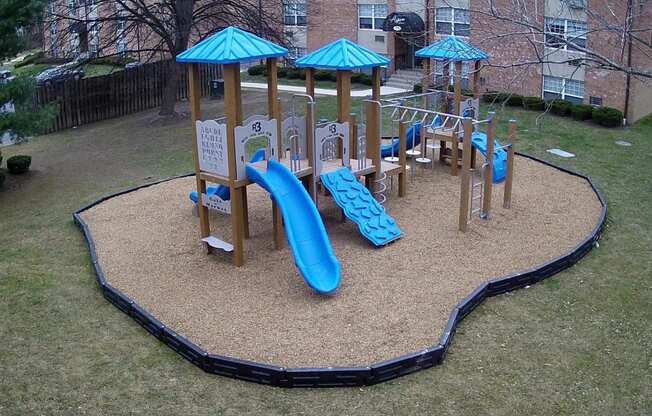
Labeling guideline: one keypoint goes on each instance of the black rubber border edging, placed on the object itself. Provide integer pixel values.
(337, 377)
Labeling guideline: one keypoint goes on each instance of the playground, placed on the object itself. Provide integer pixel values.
(560, 342)
(357, 243)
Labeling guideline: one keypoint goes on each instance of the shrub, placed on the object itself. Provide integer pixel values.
(282, 72)
(2, 179)
(112, 60)
(18, 164)
(30, 59)
(560, 108)
(418, 89)
(534, 103)
(296, 73)
(361, 78)
(515, 100)
(257, 70)
(489, 96)
(0, 157)
(322, 75)
(581, 111)
(607, 116)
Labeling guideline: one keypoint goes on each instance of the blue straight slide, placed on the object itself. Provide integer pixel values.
(361, 207)
(479, 141)
(223, 191)
(304, 228)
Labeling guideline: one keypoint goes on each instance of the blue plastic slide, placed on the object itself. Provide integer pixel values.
(361, 207)
(413, 139)
(479, 140)
(223, 191)
(304, 228)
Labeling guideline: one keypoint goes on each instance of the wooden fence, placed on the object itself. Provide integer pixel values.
(124, 92)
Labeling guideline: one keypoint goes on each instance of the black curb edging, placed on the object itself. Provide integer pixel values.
(338, 376)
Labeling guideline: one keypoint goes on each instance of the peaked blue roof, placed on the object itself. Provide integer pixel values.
(230, 46)
(344, 55)
(452, 49)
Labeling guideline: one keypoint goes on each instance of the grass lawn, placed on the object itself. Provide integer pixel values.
(578, 343)
(90, 70)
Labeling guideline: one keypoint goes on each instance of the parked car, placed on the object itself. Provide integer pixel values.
(5, 76)
(59, 73)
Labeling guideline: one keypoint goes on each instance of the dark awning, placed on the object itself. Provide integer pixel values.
(404, 22)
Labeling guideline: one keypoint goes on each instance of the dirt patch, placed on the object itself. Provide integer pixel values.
(392, 301)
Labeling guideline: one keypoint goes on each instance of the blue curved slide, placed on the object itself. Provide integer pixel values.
(304, 228)
(413, 139)
(479, 141)
(223, 191)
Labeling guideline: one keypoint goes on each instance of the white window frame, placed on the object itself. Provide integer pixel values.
(566, 39)
(563, 94)
(373, 16)
(296, 52)
(291, 10)
(453, 21)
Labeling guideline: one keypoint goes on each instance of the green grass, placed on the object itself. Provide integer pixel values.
(577, 344)
(90, 70)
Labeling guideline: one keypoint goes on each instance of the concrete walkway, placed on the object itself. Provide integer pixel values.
(326, 91)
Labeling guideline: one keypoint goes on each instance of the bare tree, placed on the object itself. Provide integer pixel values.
(154, 29)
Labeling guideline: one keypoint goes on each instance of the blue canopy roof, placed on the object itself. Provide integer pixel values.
(230, 46)
(344, 55)
(452, 49)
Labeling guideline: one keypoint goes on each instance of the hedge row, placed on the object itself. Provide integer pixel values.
(604, 116)
(298, 73)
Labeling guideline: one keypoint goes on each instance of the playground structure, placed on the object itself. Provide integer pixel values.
(297, 156)
(289, 158)
(258, 322)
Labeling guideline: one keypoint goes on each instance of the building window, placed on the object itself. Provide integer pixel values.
(563, 88)
(296, 53)
(595, 101)
(439, 73)
(452, 21)
(372, 16)
(565, 34)
(294, 13)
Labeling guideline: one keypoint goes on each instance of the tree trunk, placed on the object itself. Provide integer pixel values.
(179, 43)
(170, 91)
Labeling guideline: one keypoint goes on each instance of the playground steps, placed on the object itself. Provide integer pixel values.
(361, 207)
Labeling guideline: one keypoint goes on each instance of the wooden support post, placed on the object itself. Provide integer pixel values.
(458, 87)
(425, 80)
(402, 157)
(372, 114)
(465, 187)
(273, 109)
(455, 150)
(446, 80)
(353, 136)
(343, 100)
(507, 197)
(194, 96)
(375, 83)
(233, 110)
(489, 173)
(310, 82)
(310, 130)
(476, 82)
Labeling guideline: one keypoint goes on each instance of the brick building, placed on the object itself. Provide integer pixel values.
(590, 24)
(397, 28)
